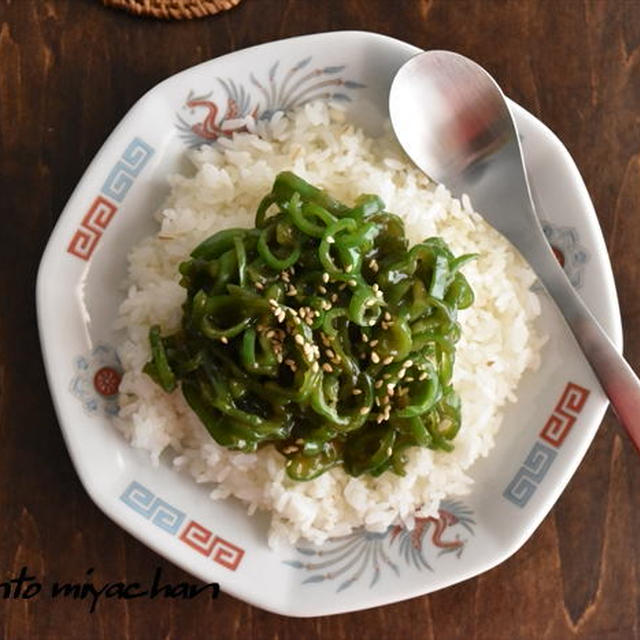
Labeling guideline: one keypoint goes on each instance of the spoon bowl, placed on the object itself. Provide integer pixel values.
(454, 122)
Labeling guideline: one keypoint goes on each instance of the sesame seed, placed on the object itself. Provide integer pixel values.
(325, 277)
(322, 290)
(330, 354)
(387, 316)
(327, 367)
(408, 364)
(356, 392)
(388, 360)
(386, 376)
(375, 358)
(378, 384)
(273, 302)
(224, 340)
(352, 283)
(375, 287)
(292, 291)
(390, 388)
(410, 379)
(315, 367)
(423, 376)
(349, 268)
(373, 343)
(364, 411)
(365, 338)
(299, 339)
(389, 451)
(330, 239)
(299, 441)
(290, 449)
(334, 297)
(259, 286)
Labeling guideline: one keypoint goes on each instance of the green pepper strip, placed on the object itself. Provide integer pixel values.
(424, 393)
(287, 183)
(351, 259)
(241, 257)
(301, 213)
(161, 367)
(305, 467)
(365, 307)
(269, 364)
(271, 260)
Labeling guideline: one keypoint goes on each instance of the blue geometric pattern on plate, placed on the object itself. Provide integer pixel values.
(127, 169)
(161, 513)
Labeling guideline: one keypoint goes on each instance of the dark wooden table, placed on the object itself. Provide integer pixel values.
(69, 70)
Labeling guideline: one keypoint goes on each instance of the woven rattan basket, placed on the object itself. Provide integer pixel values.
(173, 9)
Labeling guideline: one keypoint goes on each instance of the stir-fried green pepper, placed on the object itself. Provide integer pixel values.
(321, 333)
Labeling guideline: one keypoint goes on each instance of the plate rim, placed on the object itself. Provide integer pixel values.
(108, 505)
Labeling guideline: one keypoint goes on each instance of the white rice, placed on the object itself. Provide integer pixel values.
(499, 341)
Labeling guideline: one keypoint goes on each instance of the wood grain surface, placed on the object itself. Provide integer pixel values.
(70, 69)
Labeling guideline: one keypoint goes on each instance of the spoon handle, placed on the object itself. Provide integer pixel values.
(618, 380)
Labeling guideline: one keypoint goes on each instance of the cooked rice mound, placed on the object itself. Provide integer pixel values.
(499, 341)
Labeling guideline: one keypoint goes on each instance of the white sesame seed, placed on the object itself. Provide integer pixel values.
(378, 384)
(327, 367)
(299, 339)
(325, 277)
(364, 411)
(388, 360)
(259, 286)
(373, 343)
(330, 239)
(423, 376)
(349, 268)
(224, 340)
(408, 364)
(387, 316)
(322, 290)
(356, 392)
(389, 451)
(365, 338)
(352, 283)
(375, 358)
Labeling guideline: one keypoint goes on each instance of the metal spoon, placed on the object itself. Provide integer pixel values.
(452, 119)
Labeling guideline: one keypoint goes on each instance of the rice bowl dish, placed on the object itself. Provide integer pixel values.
(499, 341)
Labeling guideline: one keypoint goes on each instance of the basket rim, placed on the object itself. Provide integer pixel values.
(173, 9)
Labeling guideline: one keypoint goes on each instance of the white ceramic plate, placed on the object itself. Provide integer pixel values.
(78, 292)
